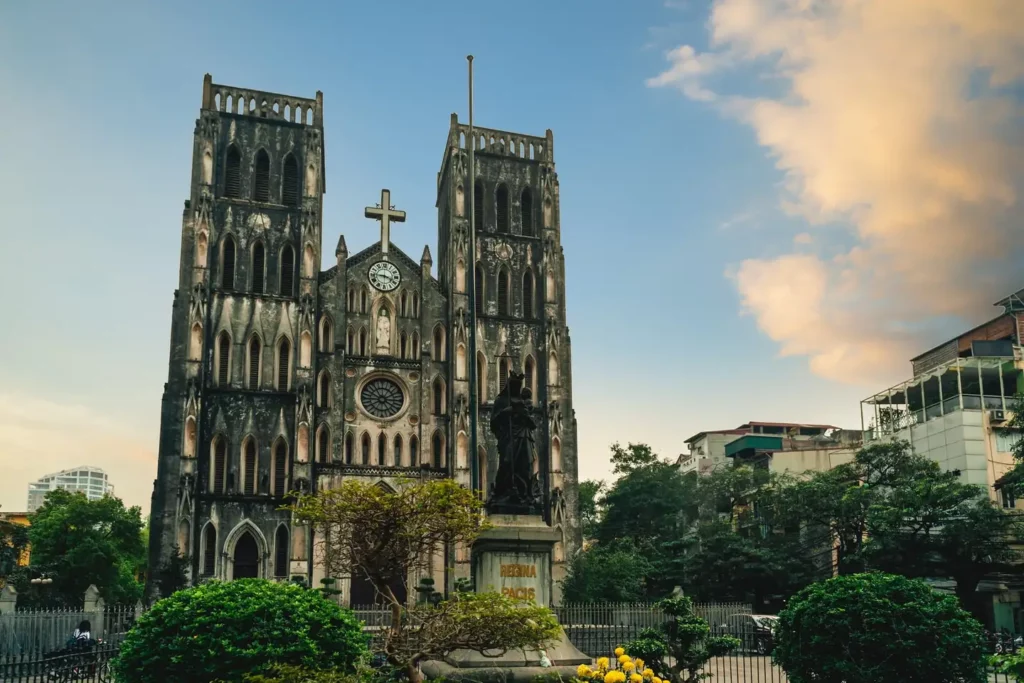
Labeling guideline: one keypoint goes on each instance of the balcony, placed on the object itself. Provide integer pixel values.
(975, 383)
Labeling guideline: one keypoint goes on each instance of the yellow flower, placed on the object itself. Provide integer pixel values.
(602, 662)
(623, 659)
(583, 671)
(635, 678)
(619, 652)
(628, 666)
(615, 677)
(639, 664)
(656, 680)
(648, 673)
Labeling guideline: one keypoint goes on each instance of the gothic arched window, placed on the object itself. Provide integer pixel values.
(438, 348)
(249, 467)
(503, 292)
(219, 464)
(503, 369)
(366, 448)
(530, 370)
(284, 356)
(281, 552)
(227, 263)
(403, 346)
(259, 264)
(526, 211)
(438, 396)
(398, 451)
(223, 358)
(414, 349)
(479, 282)
(233, 173)
(254, 362)
(529, 294)
(290, 181)
(326, 334)
(437, 450)
(287, 271)
(382, 449)
(209, 549)
(280, 468)
(261, 178)
(323, 395)
(323, 444)
(364, 297)
(478, 205)
(349, 447)
(501, 208)
(414, 451)
(362, 342)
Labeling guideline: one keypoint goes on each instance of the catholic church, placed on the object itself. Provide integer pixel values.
(293, 370)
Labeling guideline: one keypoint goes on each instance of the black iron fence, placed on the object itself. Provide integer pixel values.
(81, 663)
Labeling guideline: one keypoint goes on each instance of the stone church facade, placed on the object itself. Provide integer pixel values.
(285, 375)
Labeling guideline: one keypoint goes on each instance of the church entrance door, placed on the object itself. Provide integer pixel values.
(247, 557)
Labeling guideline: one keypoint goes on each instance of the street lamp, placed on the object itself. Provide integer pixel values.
(41, 581)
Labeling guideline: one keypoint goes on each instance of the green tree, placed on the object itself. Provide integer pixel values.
(79, 542)
(172, 575)
(613, 573)
(727, 491)
(222, 631)
(13, 543)
(386, 536)
(866, 628)
(589, 491)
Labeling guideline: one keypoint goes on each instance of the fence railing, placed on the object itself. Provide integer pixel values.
(32, 631)
(82, 664)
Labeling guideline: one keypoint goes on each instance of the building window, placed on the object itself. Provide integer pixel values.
(414, 451)
(362, 342)
(261, 180)
(349, 446)
(382, 449)
(249, 468)
(530, 370)
(438, 349)
(323, 444)
(503, 292)
(287, 271)
(219, 464)
(254, 363)
(501, 208)
(479, 294)
(324, 390)
(227, 263)
(481, 375)
(326, 336)
(403, 304)
(526, 211)
(209, 550)
(438, 391)
(280, 469)
(415, 304)
(398, 450)
(352, 300)
(284, 354)
(364, 296)
(259, 260)
(529, 294)
(1009, 499)
(281, 553)
(366, 448)
(223, 358)
(290, 181)
(502, 374)
(1006, 439)
(233, 173)
(437, 450)
(478, 205)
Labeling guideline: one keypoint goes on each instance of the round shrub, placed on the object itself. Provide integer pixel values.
(867, 628)
(223, 631)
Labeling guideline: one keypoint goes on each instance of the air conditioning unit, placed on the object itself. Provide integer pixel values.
(997, 416)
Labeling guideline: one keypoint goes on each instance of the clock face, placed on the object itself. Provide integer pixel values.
(384, 276)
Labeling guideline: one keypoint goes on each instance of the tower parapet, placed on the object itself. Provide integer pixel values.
(261, 104)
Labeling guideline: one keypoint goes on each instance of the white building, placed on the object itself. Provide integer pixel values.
(92, 481)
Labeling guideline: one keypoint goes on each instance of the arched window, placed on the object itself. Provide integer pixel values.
(530, 370)
(349, 447)
(190, 437)
(460, 276)
(233, 173)
(415, 346)
(501, 208)
(280, 468)
(438, 396)
(259, 264)
(503, 292)
(323, 444)
(415, 304)
(287, 271)
(479, 289)
(462, 451)
(323, 394)
(284, 357)
(249, 467)
(195, 343)
(403, 346)
(460, 201)
(403, 304)
(529, 294)
(309, 261)
(254, 362)
(209, 550)
(305, 349)
(382, 450)
(556, 455)
(350, 346)
(281, 552)
(526, 211)
(261, 179)
(414, 451)
(460, 361)
(326, 334)
(352, 300)
(362, 342)
(437, 450)
(398, 451)
(503, 367)
(481, 457)
(366, 448)
(481, 374)
(227, 263)
(219, 465)
(364, 296)
(438, 349)
(552, 369)
(223, 358)
(302, 449)
(290, 181)
(478, 205)
(201, 249)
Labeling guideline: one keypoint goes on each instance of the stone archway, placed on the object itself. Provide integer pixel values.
(246, 560)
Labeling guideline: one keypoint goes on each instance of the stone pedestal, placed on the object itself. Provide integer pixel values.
(513, 558)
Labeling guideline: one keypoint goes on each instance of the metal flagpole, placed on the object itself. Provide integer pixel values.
(474, 397)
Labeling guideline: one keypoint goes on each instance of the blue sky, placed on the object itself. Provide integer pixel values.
(665, 196)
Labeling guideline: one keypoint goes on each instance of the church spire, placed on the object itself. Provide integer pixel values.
(342, 248)
(425, 260)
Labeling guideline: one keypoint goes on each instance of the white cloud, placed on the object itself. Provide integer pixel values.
(894, 118)
(39, 436)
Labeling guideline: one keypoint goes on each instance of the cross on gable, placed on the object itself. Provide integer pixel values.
(385, 213)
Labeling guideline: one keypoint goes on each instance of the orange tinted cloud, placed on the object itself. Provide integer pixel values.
(896, 118)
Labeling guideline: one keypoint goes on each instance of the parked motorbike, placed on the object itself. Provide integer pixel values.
(75, 662)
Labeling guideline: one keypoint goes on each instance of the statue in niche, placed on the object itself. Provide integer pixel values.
(383, 332)
(516, 488)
